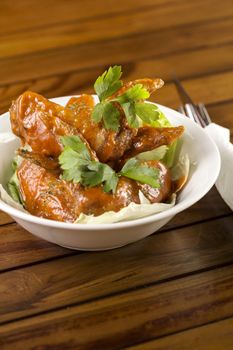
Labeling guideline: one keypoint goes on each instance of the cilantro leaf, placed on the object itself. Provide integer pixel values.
(130, 113)
(128, 103)
(155, 154)
(77, 166)
(131, 101)
(107, 112)
(98, 173)
(108, 83)
(147, 112)
(111, 117)
(75, 143)
(150, 114)
(110, 180)
(72, 164)
(140, 172)
(97, 114)
(136, 92)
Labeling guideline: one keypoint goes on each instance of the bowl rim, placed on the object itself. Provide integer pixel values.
(124, 224)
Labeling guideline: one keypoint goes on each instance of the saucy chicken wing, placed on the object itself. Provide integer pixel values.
(151, 85)
(108, 145)
(40, 123)
(149, 138)
(46, 195)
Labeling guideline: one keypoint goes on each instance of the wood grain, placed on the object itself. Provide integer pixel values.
(209, 207)
(217, 336)
(121, 50)
(83, 277)
(27, 15)
(5, 219)
(130, 318)
(19, 247)
(145, 20)
(164, 67)
(173, 290)
(220, 89)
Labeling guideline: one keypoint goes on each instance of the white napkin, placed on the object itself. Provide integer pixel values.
(224, 183)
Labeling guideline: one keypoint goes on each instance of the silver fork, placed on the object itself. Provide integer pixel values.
(197, 112)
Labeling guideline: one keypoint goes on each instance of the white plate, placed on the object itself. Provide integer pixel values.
(203, 154)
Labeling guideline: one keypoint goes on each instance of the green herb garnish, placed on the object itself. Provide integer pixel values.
(108, 83)
(77, 166)
(155, 154)
(136, 170)
(107, 112)
(131, 101)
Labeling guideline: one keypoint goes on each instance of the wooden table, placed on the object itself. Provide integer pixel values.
(173, 290)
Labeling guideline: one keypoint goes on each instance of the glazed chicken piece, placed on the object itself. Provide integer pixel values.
(111, 146)
(161, 194)
(47, 163)
(46, 195)
(40, 123)
(108, 145)
(151, 85)
(149, 138)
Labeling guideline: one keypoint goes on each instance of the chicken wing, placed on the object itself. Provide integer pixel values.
(151, 85)
(40, 123)
(46, 195)
(108, 145)
(149, 138)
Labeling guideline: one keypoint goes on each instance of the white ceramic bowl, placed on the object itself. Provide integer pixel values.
(203, 154)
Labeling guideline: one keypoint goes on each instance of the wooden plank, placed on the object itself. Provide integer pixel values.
(186, 65)
(27, 15)
(194, 63)
(18, 247)
(207, 89)
(130, 318)
(92, 30)
(105, 52)
(209, 207)
(215, 88)
(63, 282)
(5, 219)
(216, 336)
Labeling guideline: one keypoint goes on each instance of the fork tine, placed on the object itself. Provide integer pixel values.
(204, 113)
(181, 110)
(186, 110)
(192, 114)
(190, 109)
